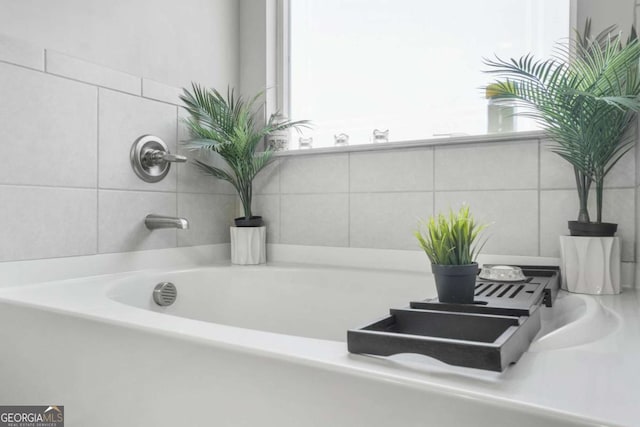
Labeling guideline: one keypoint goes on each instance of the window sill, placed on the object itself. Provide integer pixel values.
(454, 140)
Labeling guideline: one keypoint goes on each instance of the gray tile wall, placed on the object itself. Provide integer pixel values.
(67, 189)
(66, 186)
(637, 193)
(637, 171)
(374, 199)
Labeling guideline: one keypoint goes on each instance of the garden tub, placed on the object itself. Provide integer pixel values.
(265, 346)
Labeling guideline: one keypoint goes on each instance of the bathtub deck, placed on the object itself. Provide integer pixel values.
(577, 385)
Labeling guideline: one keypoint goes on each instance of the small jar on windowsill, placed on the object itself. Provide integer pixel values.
(501, 114)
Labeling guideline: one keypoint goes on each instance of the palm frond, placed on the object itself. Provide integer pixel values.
(585, 102)
(227, 125)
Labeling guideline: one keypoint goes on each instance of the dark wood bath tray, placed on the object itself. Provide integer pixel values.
(490, 334)
(489, 342)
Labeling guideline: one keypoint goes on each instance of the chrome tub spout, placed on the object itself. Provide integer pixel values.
(153, 222)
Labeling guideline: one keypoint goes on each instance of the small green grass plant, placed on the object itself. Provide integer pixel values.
(452, 239)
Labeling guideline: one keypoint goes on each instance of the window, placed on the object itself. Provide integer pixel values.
(406, 65)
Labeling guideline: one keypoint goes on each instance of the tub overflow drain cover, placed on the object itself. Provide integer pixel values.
(165, 293)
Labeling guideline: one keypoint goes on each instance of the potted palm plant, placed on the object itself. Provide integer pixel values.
(451, 244)
(228, 127)
(586, 100)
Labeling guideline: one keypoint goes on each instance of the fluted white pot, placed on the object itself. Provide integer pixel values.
(590, 265)
(248, 245)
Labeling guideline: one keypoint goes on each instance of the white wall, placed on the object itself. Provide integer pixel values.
(253, 47)
(257, 42)
(604, 13)
(173, 42)
(67, 124)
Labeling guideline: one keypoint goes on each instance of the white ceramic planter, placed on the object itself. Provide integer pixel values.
(590, 265)
(248, 245)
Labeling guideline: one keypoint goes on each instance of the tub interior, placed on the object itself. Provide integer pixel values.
(302, 301)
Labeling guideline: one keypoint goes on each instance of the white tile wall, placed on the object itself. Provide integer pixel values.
(209, 218)
(190, 178)
(74, 68)
(268, 181)
(619, 207)
(268, 206)
(48, 129)
(637, 234)
(67, 126)
(492, 166)
(40, 222)
(314, 219)
(524, 191)
(387, 220)
(160, 92)
(121, 220)
(66, 184)
(124, 118)
(560, 206)
(21, 53)
(193, 180)
(325, 173)
(636, 150)
(512, 217)
(401, 170)
(556, 173)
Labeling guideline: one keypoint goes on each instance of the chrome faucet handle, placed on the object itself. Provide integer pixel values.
(175, 158)
(150, 158)
(156, 157)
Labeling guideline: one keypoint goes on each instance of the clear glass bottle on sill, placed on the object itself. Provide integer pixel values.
(305, 143)
(380, 136)
(501, 113)
(341, 140)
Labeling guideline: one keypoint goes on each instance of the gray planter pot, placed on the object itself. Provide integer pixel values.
(455, 283)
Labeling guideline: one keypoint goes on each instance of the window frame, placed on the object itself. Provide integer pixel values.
(282, 57)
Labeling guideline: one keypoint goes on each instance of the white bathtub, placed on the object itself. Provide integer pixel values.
(264, 346)
(303, 301)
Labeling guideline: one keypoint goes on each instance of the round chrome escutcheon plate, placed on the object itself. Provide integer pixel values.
(146, 171)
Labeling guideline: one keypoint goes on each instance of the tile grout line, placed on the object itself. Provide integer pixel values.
(146, 190)
(97, 170)
(73, 79)
(635, 216)
(45, 70)
(539, 197)
(433, 184)
(176, 169)
(348, 200)
(279, 200)
(48, 186)
(8, 261)
(24, 67)
(635, 165)
(142, 190)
